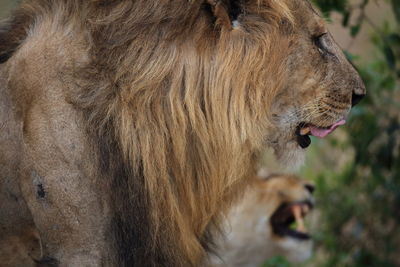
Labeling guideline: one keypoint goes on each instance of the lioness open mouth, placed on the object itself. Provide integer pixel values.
(304, 130)
(288, 220)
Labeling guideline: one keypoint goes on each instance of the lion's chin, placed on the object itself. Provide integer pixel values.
(290, 155)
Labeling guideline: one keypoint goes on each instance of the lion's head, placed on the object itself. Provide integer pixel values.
(170, 103)
(260, 225)
(319, 90)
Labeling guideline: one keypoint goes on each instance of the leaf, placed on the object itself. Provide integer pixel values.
(389, 55)
(277, 261)
(394, 38)
(354, 30)
(346, 17)
(350, 57)
(396, 9)
(327, 6)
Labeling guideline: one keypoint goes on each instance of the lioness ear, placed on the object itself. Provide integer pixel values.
(225, 11)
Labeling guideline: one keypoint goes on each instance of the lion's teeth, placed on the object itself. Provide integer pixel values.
(297, 210)
(305, 131)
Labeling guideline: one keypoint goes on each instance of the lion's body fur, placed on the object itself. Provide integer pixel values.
(163, 122)
(247, 239)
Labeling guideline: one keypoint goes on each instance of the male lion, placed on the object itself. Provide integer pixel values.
(259, 225)
(129, 127)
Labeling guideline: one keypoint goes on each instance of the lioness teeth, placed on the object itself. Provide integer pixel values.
(305, 130)
(297, 212)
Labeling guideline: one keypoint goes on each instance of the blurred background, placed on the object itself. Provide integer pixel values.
(356, 170)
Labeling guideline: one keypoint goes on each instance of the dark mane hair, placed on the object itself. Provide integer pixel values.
(169, 96)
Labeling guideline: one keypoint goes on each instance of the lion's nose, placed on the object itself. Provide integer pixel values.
(356, 98)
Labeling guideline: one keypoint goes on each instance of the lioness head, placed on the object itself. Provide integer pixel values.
(267, 222)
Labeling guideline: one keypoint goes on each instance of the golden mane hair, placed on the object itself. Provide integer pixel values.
(176, 101)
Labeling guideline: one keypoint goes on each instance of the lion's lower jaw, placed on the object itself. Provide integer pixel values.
(290, 155)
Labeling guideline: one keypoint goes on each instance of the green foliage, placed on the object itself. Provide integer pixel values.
(396, 9)
(277, 261)
(359, 220)
(328, 6)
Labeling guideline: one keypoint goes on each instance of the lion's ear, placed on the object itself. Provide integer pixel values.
(225, 11)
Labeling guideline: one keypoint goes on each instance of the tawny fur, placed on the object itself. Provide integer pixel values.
(247, 238)
(20, 249)
(149, 115)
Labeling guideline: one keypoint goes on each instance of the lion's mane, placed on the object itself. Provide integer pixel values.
(176, 105)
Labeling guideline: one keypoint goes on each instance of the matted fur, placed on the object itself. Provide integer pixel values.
(176, 103)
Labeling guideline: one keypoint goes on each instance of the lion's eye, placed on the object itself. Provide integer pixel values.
(320, 42)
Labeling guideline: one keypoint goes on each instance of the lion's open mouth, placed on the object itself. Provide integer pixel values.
(304, 130)
(288, 220)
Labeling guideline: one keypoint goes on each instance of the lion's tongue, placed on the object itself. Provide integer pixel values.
(322, 132)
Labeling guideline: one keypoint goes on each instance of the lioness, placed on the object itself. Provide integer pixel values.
(261, 225)
(129, 127)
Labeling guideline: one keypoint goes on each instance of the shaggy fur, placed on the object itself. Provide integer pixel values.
(142, 119)
(175, 119)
